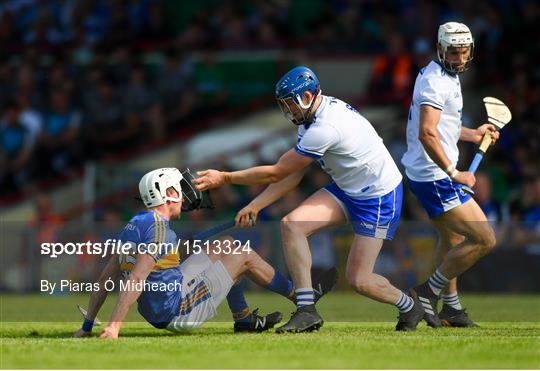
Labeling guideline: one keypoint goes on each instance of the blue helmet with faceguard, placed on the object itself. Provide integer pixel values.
(291, 88)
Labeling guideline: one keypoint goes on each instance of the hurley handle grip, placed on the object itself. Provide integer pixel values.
(478, 157)
(217, 229)
(486, 142)
(484, 145)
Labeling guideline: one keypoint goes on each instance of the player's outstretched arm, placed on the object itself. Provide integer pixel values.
(289, 163)
(248, 215)
(98, 297)
(126, 298)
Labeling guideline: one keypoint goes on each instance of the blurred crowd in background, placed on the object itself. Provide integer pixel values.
(76, 82)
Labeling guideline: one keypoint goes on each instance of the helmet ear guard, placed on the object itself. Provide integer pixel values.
(300, 102)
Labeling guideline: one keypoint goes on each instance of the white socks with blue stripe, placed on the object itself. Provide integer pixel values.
(452, 300)
(304, 296)
(404, 303)
(437, 282)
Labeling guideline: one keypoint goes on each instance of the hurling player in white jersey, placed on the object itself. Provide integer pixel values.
(366, 190)
(434, 127)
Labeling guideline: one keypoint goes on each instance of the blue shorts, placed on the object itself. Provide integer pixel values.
(375, 217)
(439, 196)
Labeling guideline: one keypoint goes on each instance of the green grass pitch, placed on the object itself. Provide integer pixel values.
(358, 333)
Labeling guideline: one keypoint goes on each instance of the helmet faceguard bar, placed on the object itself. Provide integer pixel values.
(305, 109)
(453, 66)
(286, 109)
(177, 187)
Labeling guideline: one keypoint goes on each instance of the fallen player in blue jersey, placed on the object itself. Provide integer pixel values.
(193, 289)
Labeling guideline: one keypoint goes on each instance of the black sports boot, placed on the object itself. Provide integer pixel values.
(451, 317)
(305, 319)
(256, 323)
(429, 301)
(324, 283)
(408, 321)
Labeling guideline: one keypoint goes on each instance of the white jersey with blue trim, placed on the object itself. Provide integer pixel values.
(437, 88)
(349, 149)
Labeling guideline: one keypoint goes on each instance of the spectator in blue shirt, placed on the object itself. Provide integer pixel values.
(16, 149)
(59, 138)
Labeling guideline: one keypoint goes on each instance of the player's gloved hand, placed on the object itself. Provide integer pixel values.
(109, 332)
(82, 334)
(209, 179)
(247, 217)
(465, 177)
(482, 129)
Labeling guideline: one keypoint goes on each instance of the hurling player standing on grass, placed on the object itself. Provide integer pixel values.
(434, 127)
(198, 285)
(366, 190)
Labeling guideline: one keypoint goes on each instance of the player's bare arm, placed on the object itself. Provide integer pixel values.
(429, 137)
(476, 135)
(140, 272)
(247, 216)
(98, 297)
(289, 163)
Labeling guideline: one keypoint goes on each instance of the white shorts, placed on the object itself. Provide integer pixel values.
(205, 285)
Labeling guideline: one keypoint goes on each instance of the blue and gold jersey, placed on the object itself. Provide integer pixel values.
(148, 232)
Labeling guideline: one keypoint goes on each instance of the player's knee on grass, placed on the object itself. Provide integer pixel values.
(184, 327)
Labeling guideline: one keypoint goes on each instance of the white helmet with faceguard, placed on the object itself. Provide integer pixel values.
(454, 35)
(154, 184)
